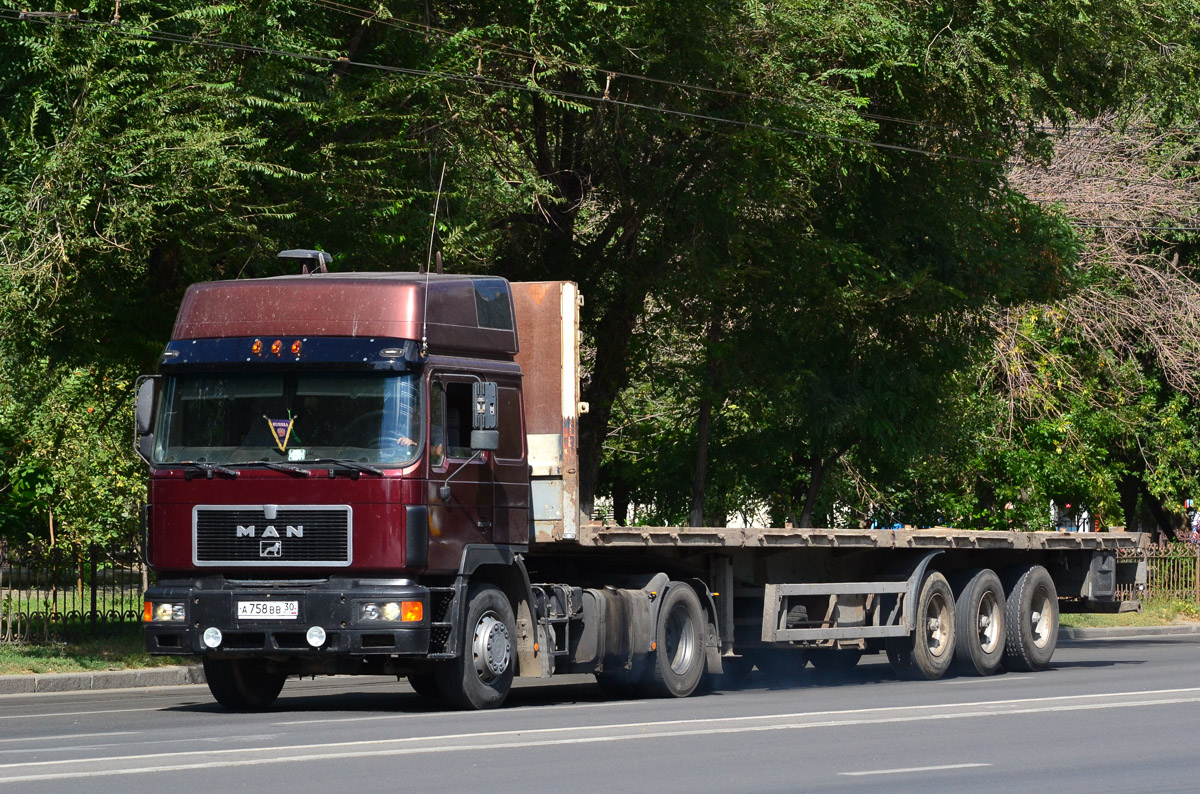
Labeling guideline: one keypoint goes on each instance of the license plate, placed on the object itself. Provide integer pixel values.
(268, 610)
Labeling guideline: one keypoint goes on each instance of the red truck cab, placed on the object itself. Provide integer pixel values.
(331, 456)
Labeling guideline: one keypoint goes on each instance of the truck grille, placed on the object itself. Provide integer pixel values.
(270, 535)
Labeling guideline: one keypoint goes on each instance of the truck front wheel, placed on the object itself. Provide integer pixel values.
(242, 684)
(678, 657)
(482, 675)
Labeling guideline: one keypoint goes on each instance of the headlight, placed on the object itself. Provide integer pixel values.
(164, 611)
(391, 611)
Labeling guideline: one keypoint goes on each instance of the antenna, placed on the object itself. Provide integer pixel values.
(432, 231)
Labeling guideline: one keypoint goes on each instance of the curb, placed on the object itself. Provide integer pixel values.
(1123, 632)
(102, 679)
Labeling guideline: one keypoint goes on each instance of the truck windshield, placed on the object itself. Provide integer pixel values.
(252, 418)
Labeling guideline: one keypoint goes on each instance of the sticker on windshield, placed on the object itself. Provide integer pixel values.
(281, 429)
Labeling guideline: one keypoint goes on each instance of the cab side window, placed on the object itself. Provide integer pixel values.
(437, 424)
(450, 421)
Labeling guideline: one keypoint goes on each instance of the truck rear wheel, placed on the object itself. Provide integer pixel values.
(928, 651)
(482, 674)
(1031, 613)
(677, 660)
(979, 622)
(242, 684)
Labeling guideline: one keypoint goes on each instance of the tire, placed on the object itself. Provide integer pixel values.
(835, 660)
(425, 684)
(979, 607)
(677, 660)
(482, 674)
(1031, 615)
(929, 650)
(242, 684)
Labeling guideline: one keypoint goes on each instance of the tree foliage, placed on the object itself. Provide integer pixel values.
(795, 226)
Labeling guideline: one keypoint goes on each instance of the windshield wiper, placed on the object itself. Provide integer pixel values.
(352, 465)
(209, 469)
(299, 471)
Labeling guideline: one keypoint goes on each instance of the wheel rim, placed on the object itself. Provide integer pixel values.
(1040, 618)
(989, 622)
(937, 625)
(680, 640)
(491, 647)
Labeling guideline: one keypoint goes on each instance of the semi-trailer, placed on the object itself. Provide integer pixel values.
(377, 473)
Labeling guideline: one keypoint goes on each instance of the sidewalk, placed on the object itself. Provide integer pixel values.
(194, 674)
(103, 679)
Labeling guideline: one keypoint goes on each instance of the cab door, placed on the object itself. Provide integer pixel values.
(468, 515)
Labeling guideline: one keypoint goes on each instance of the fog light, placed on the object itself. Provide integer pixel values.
(212, 637)
(315, 636)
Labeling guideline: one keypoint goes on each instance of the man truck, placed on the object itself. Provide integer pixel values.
(377, 473)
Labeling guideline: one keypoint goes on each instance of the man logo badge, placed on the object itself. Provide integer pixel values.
(270, 548)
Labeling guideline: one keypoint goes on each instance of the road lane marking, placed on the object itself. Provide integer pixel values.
(546, 737)
(427, 714)
(875, 709)
(912, 769)
(37, 716)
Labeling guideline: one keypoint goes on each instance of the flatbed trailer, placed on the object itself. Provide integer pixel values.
(372, 474)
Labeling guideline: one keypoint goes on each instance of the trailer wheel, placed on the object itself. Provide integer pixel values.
(242, 684)
(979, 622)
(1031, 613)
(677, 660)
(481, 676)
(928, 651)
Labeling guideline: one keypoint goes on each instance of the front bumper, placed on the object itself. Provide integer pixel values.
(332, 605)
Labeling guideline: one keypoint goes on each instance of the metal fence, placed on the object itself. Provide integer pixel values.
(1172, 571)
(62, 594)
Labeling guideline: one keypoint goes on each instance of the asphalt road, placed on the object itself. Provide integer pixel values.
(1112, 715)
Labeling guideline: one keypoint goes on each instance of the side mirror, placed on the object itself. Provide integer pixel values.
(143, 416)
(485, 440)
(144, 410)
(484, 396)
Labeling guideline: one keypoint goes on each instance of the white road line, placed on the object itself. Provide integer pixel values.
(411, 715)
(428, 714)
(68, 737)
(546, 737)
(37, 716)
(912, 769)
